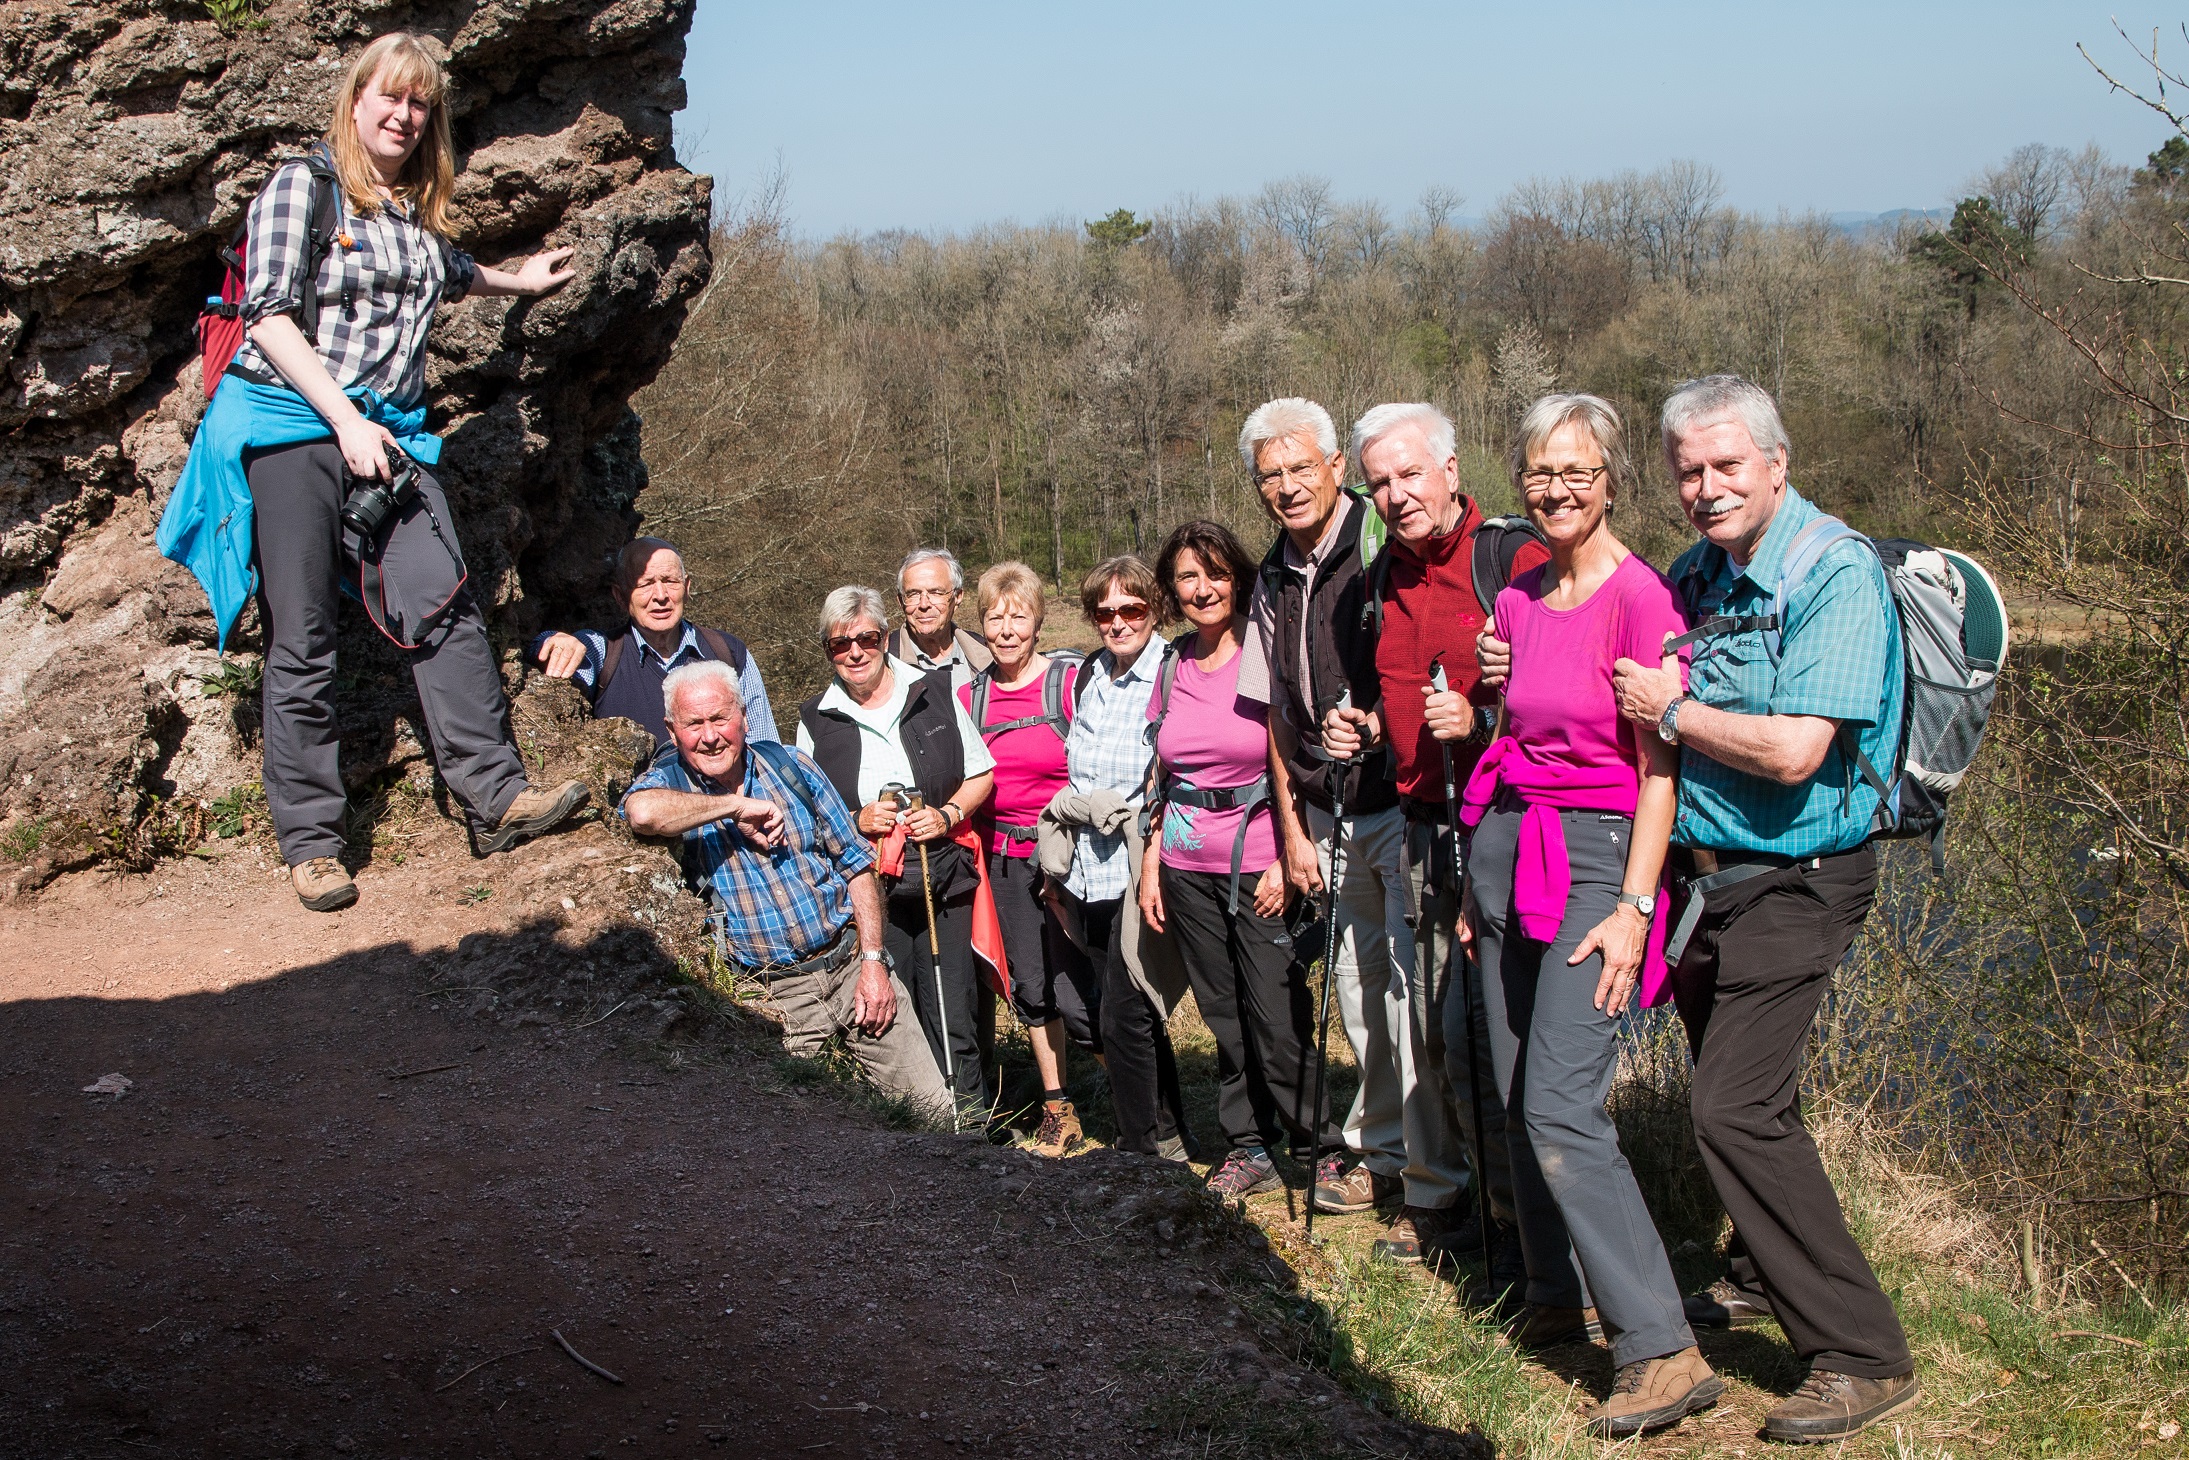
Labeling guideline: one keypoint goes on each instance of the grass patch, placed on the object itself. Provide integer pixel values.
(21, 840)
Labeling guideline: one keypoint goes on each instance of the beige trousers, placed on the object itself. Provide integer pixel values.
(815, 1006)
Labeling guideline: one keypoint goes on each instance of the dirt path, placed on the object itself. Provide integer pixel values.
(350, 1192)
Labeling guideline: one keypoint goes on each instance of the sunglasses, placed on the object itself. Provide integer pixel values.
(839, 646)
(1131, 613)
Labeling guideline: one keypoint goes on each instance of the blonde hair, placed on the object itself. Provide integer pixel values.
(428, 179)
(1016, 582)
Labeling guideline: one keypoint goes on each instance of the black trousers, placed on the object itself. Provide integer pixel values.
(1145, 1099)
(1044, 986)
(959, 997)
(1748, 989)
(1252, 993)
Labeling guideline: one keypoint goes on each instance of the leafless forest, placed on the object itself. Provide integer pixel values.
(2012, 382)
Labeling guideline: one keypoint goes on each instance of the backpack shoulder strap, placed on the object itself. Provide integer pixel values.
(784, 762)
(1166, 673)
(609, 659)
(1379, 575)
(1052, 696)
(729, 650)
(1497, 544)
(326, 223)
(1079, 686)
(982, 679)
(1802, 556)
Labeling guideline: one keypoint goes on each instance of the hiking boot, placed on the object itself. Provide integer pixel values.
(1832, 1406)
(1173, 1148)
(533, 812)
(1414, 1232)
(1245, 1172)
(322, 884)
(1655, 1394)
(1505, 1284)
(1339, 1191)
(1541, 1327)
(1721, 1305)
(1461, 1241)
(1059, 1134)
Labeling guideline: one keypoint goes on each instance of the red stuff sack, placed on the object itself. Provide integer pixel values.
(220, 322)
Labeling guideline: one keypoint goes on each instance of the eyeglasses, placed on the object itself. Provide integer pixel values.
(841, 644)
(927, 595)
(1130, 613)
(1303, 471)
(1579, 478)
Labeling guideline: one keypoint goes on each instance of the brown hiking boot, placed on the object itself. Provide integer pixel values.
(1541, 1327)
(1655, 1394)
(1721, 1305)
(322, 885)
(1413, 1235)
(533, 812)
(1339, 1191)
(1059, 1134)
(1833, 1406)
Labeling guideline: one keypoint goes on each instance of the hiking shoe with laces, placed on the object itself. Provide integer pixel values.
(1244, 1173)
(1655, 1394)
(1721, 1305)
(1540, 1326)
(1059, 1134)
(322, 884)
(533, 812)
(1412, 1235)
(1173, 1148)
(1339, 1191)
(1833, 1406)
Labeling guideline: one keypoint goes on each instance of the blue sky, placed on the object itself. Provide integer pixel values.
(938, 117)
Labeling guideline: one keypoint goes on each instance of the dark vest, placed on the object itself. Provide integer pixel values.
(630, 685)
(928, 730)
(1341, 643)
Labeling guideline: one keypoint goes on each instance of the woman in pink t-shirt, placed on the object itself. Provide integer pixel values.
(1214, 877)
(1022, 705)
(1572, 811)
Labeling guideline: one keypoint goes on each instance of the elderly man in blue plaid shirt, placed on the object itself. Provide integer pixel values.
(797, 904)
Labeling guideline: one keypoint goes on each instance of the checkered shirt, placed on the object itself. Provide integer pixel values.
(377, 293)
(790, 901)
(1108, 751)
(1839, 657)
(759, 719)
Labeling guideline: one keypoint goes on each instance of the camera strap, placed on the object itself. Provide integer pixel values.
(372, 580)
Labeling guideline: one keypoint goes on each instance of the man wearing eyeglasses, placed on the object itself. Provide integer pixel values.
(930, 586)
(622, 675)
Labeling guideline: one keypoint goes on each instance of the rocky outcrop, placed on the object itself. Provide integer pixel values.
(133, 134)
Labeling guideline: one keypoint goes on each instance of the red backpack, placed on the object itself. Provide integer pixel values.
(220, 322)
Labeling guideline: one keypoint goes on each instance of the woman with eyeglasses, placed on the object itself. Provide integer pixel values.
(1572, 811)
(1090, 842)
(882, 724)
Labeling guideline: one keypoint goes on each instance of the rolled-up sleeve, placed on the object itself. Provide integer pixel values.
(279, 227)
(459, 272)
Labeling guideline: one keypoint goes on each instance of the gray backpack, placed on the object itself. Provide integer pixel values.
(1953, 635)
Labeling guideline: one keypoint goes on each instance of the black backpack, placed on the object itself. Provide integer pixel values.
(718, 645)
(1061, 663)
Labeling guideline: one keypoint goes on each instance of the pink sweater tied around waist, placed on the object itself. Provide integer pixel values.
(1542, 877)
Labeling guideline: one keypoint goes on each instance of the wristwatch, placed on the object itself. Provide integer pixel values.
(1642, 902)
(1668, 724)
(874, 955)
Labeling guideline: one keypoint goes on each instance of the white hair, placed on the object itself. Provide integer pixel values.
(1594, 414)
(699, 671)
(1716, 398)
(1380, 421)
(1286, 416)
(849, 604)
(931, 555)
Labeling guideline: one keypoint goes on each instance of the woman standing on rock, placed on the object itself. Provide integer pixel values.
(305, 479)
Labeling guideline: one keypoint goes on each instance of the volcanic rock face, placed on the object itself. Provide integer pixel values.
(133, 134)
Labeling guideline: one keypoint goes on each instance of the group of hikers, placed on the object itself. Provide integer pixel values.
(1500, 782)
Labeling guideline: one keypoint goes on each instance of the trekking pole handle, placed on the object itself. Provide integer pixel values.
(1437, 681)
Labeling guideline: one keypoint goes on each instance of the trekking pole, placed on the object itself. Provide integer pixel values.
(912, 800)
(1330, 970)
(1459, 956)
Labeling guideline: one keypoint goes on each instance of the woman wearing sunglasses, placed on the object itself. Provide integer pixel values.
(1090, 848)
(883, 724)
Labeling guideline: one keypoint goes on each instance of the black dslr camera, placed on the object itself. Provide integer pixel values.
(371, 501)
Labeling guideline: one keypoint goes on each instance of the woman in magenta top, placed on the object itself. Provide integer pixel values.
(1022, 705)
(1214, 876)
(1572, 810)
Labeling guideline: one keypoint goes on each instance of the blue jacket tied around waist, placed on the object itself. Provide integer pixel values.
(207, 524)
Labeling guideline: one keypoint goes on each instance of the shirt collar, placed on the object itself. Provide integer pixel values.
(1144, 667)
(687, 644)
(952, 655)
(1794, 513)
(837, 698)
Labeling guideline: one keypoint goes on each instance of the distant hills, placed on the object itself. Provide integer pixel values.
(1888, 222)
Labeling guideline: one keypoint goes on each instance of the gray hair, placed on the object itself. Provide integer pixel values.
(700, 671)
(849, 604)
(1380, 421)
(1290, 415)
(1716, 398)
(930, 555)
(637, 553)
(1594, 412)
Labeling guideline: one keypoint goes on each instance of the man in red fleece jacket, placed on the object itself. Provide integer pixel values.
(1407, 456)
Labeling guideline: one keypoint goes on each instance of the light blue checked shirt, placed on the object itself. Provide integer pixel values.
(790, 901)
(1839, 657)
(1108, 751)
(759, 719)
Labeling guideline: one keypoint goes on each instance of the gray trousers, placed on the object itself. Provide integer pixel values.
(1444, 1014)
(296, 493)
(1556, 1054)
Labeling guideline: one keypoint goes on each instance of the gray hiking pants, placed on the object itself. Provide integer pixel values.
(296, 494)
(1555, 1054)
